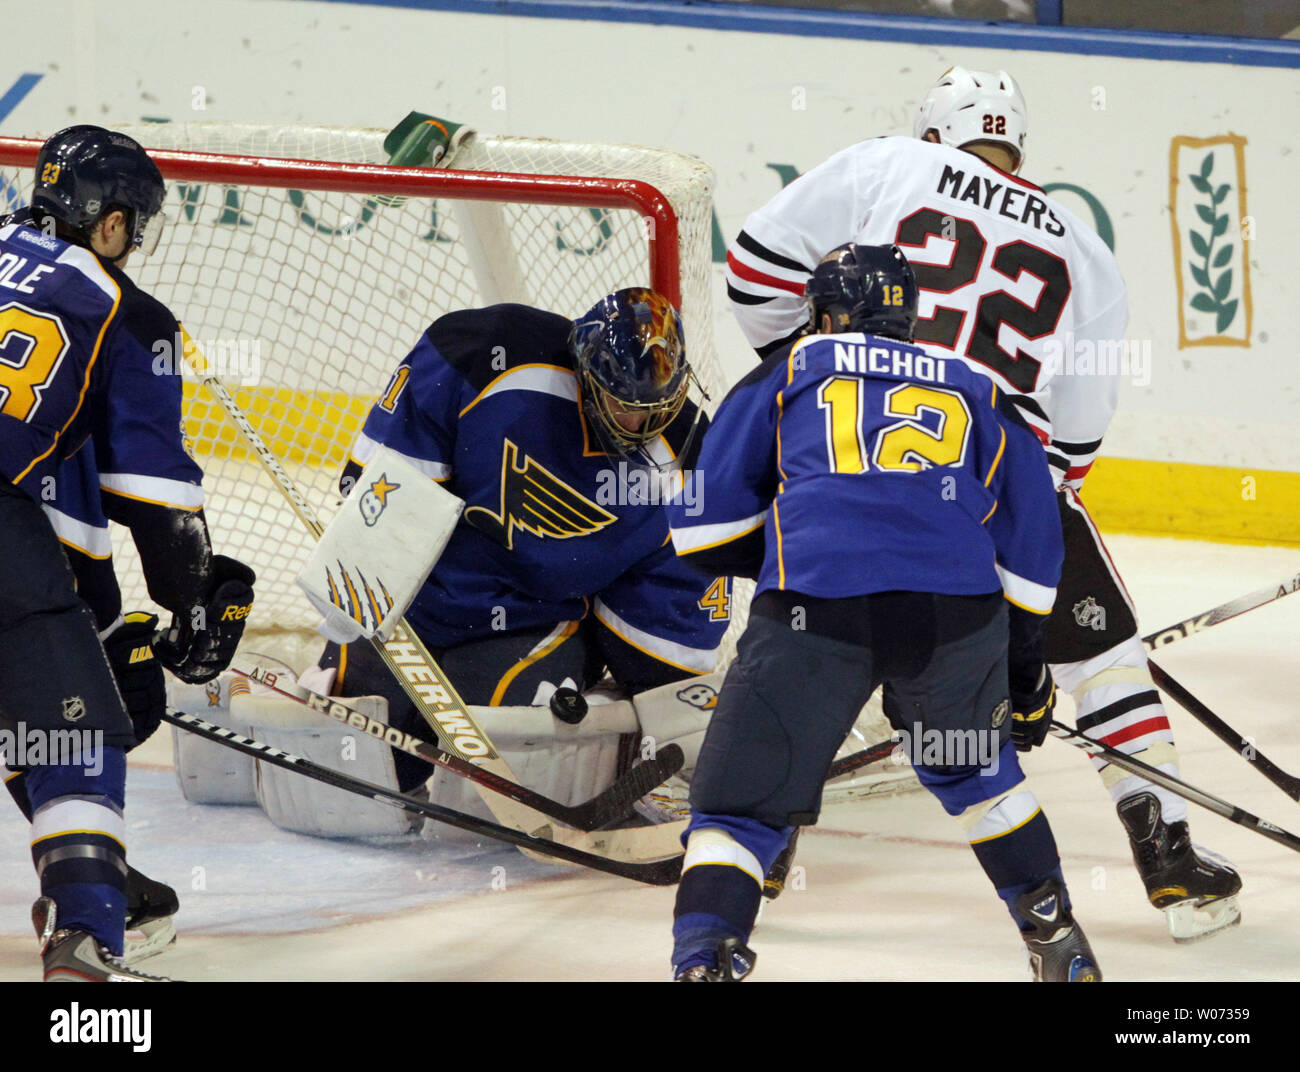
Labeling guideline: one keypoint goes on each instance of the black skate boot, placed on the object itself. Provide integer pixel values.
(71, 956)
(1058, 950)
(735, 961)
(150, 906)
(1181, 878)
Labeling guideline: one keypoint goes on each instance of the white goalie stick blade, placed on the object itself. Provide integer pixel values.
(379, 549)
(149, 939)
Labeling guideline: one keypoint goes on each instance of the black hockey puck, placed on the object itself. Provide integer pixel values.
(569, 706)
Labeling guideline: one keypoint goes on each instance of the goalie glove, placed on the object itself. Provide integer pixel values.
(1031, 713)
(139, 675)
(198, 646)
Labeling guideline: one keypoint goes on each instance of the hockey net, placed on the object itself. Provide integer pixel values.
(303, 292)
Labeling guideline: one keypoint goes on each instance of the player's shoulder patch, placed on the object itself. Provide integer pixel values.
(482, 344)
(760, 372)
(141, 314)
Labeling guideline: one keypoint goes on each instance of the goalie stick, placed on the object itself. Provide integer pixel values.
(1221, 613)
(613, 803)
(657, 873)
(1175, 785)
(433, 695)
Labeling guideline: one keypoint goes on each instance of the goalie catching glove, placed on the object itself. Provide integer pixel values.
(1031, 713)
(138, 674)
(199, 646)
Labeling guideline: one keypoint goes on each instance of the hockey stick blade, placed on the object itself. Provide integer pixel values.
(612, 804)
(1206, 800)
(657, 873)
(1288, 783)
(1221, 613)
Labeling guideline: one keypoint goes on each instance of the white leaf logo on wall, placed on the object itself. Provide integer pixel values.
(1207, 198)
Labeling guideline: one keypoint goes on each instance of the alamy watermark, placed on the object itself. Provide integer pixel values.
(636, 485)
(229, 358)
(32, 746)
(1064, 355)
(950, 748)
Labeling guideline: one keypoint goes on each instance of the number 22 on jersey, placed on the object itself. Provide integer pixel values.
(907, 445)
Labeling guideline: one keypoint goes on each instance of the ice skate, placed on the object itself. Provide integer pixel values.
(735, 960)
(72, 956)
(1194, 887)
(150, 908)
(1058, 950)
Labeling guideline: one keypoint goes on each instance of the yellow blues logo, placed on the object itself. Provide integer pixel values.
(539, 502)
(374, 499)
(356, 596)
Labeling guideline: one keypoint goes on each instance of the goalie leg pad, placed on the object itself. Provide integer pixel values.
(303, 805)
(768, 748)
(206, 772)
(569, 763)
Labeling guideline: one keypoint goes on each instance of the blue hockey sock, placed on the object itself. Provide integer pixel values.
(79, 842)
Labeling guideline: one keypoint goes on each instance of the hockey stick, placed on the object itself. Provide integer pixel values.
(1221, 613)
(848, 764)
(610, 805)
(432, 693)
(1288, 783)
(1175, 785)
(658, 873)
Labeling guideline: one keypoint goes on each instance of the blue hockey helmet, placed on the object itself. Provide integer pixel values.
(84, 172)
(864, 288)
(631, 361)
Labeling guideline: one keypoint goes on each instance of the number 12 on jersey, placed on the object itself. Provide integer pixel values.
(907, 445)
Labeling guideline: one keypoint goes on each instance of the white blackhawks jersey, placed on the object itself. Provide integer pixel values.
(1010, 281)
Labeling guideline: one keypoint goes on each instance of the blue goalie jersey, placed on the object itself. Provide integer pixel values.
(554, 529)
(852, 464)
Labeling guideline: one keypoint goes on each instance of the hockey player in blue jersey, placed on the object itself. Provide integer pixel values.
(565, 440)
(901, 522)
(89, 433)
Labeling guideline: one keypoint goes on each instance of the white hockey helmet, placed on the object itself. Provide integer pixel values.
(966, 106)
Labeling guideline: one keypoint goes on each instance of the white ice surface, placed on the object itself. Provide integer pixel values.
(891, 892)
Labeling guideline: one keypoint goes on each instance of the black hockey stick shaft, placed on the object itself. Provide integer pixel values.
(1221, 613)
(655, 873)
(1288, 783)
(1176, 785)
(610, 805)
(848, 764)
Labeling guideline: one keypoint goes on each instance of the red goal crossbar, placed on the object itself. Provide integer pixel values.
(382, 179)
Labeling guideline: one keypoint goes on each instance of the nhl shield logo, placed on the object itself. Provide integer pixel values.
(1000, 713)
(1089, 614)
(74, 708)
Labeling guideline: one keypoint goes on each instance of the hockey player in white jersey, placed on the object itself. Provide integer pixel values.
(1009, 281)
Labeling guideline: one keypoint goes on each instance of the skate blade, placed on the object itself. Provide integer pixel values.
(1190, 922)
(149, 939)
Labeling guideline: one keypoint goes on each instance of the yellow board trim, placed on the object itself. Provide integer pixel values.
(1196, 502)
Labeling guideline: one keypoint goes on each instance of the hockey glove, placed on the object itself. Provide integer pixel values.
(139, 675)
(1031, 713)
(198, 646)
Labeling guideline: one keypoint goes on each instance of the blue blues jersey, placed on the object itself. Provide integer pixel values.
(554, 529)
(90, 417)
(851, 464)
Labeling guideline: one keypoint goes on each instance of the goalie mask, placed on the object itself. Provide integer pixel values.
(631, 363)
(970, 106)
(863, 288)
(85, 172)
